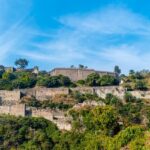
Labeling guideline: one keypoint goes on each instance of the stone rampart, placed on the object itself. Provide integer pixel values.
(55, 116)
(28, 91)
(47, 93)
(10, 95)
(47, 114)
(16, 110)
(76, 74)
(83, 90)
(115, 90)
(141, 94)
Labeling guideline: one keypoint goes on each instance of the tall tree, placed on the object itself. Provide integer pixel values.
(117, 70)
(21, 63)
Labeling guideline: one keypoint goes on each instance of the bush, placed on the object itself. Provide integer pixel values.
(93, 79)
(112, 100)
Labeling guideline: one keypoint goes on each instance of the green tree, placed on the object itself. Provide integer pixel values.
(93, 79)
(21, 63)
(140, 85)
(107, 80)
(8, 76)
(117, 70)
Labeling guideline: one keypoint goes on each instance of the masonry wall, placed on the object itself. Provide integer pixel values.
(115, 90)
(47, 114)
(141, 94)
(28, 91)
(47, 93)
(73, 74)
(55, 116)
(83, 90)
(10, 95)
(16, 110)
(78, 74)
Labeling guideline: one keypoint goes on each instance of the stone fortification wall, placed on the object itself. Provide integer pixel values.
(115, 90)
(10, 95)
(120, 92)
(55, 116)
(83, 90)
(76, 74)
(141, 94)
(47, 114)
(47, 93)
(28, 91)
(63, 124)
(72, 73)
(44, 93)
(16, 110)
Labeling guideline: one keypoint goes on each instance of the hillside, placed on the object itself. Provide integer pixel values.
(40, 111)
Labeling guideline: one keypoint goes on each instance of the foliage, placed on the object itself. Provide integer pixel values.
(47, 104)
(21, 63)
(112, 100)
(95, 79)
(117, 70)
(27, 133)
(102, 119)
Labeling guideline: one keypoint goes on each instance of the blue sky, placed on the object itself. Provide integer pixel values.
(60, 33)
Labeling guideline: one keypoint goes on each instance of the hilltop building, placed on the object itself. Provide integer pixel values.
(76, 74)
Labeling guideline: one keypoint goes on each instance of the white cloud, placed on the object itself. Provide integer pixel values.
(108, 21)
(99, 39)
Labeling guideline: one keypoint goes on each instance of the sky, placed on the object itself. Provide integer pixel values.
(59, 33)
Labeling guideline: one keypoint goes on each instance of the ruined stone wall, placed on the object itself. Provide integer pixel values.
(115, 90)
(28, 91)
(47, 114)
(16, 110)
(120, 92)
(141, 94)
(10, 95)
(63, 124)
(83, 90)
(47, 93)
(55, 116)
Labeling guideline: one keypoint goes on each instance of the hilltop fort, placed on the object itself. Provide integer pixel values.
(76, 74)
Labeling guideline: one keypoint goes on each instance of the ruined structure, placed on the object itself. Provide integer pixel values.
(10, 96)
(44, 93)
(16, 110)
(76, 74)
(56, 116)
(11, 101)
